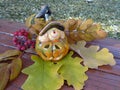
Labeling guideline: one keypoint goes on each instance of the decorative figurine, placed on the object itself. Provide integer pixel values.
(51, 43)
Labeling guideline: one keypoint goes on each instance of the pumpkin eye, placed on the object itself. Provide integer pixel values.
(54, 34)
(54, 31)
(57, 47)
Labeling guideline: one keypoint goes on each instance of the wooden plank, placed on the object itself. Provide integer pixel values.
(108, 69)
(3, 49)
(10, 26)
(102, 77)
(112, 44)
(5, 39)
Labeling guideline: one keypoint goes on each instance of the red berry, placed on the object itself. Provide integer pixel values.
(33, 43)
(25, 34)
(15, 33)
(22, 41)
(22, 48)
(25, 43)
(20, 34)
(29, 41)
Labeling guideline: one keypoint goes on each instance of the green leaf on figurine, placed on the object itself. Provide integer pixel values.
(92, 56)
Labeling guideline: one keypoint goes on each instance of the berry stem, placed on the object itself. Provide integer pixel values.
(2, 44)
(10, 34)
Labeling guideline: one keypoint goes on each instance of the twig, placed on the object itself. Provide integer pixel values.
(2, 44)
(10, 34)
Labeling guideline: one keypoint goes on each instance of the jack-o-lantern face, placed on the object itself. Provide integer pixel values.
(52, 45)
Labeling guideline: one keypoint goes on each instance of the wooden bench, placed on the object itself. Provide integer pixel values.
(104, 78)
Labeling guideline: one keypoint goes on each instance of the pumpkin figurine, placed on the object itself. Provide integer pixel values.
(51, 43)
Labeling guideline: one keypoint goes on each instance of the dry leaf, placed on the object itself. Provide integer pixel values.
(85, 24)
(92, 57)
(4, 75)
(9, 70)
(77, 30)
(9, 54)
(15, 67)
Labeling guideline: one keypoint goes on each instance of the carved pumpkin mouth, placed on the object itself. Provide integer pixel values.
(52, 50)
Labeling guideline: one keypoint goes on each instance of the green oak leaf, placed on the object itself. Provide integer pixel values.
(42, 75)
(73, 72)
(92, 56)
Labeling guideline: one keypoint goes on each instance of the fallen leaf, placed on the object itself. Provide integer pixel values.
(8, 58)
(42, 75)
(73, 71)
(4, 75)
(9, 70)
(92, 56)
(3, 64)
(9, 53)
(15, 68)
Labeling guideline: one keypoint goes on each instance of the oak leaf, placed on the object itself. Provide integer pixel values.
(73, 72)
(42, 75)
(92, 56)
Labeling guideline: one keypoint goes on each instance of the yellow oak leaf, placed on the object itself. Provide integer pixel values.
(92, 56)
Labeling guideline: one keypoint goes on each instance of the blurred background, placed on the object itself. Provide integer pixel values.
(107, 12)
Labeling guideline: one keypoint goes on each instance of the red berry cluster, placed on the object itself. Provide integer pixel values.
(22, 41)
